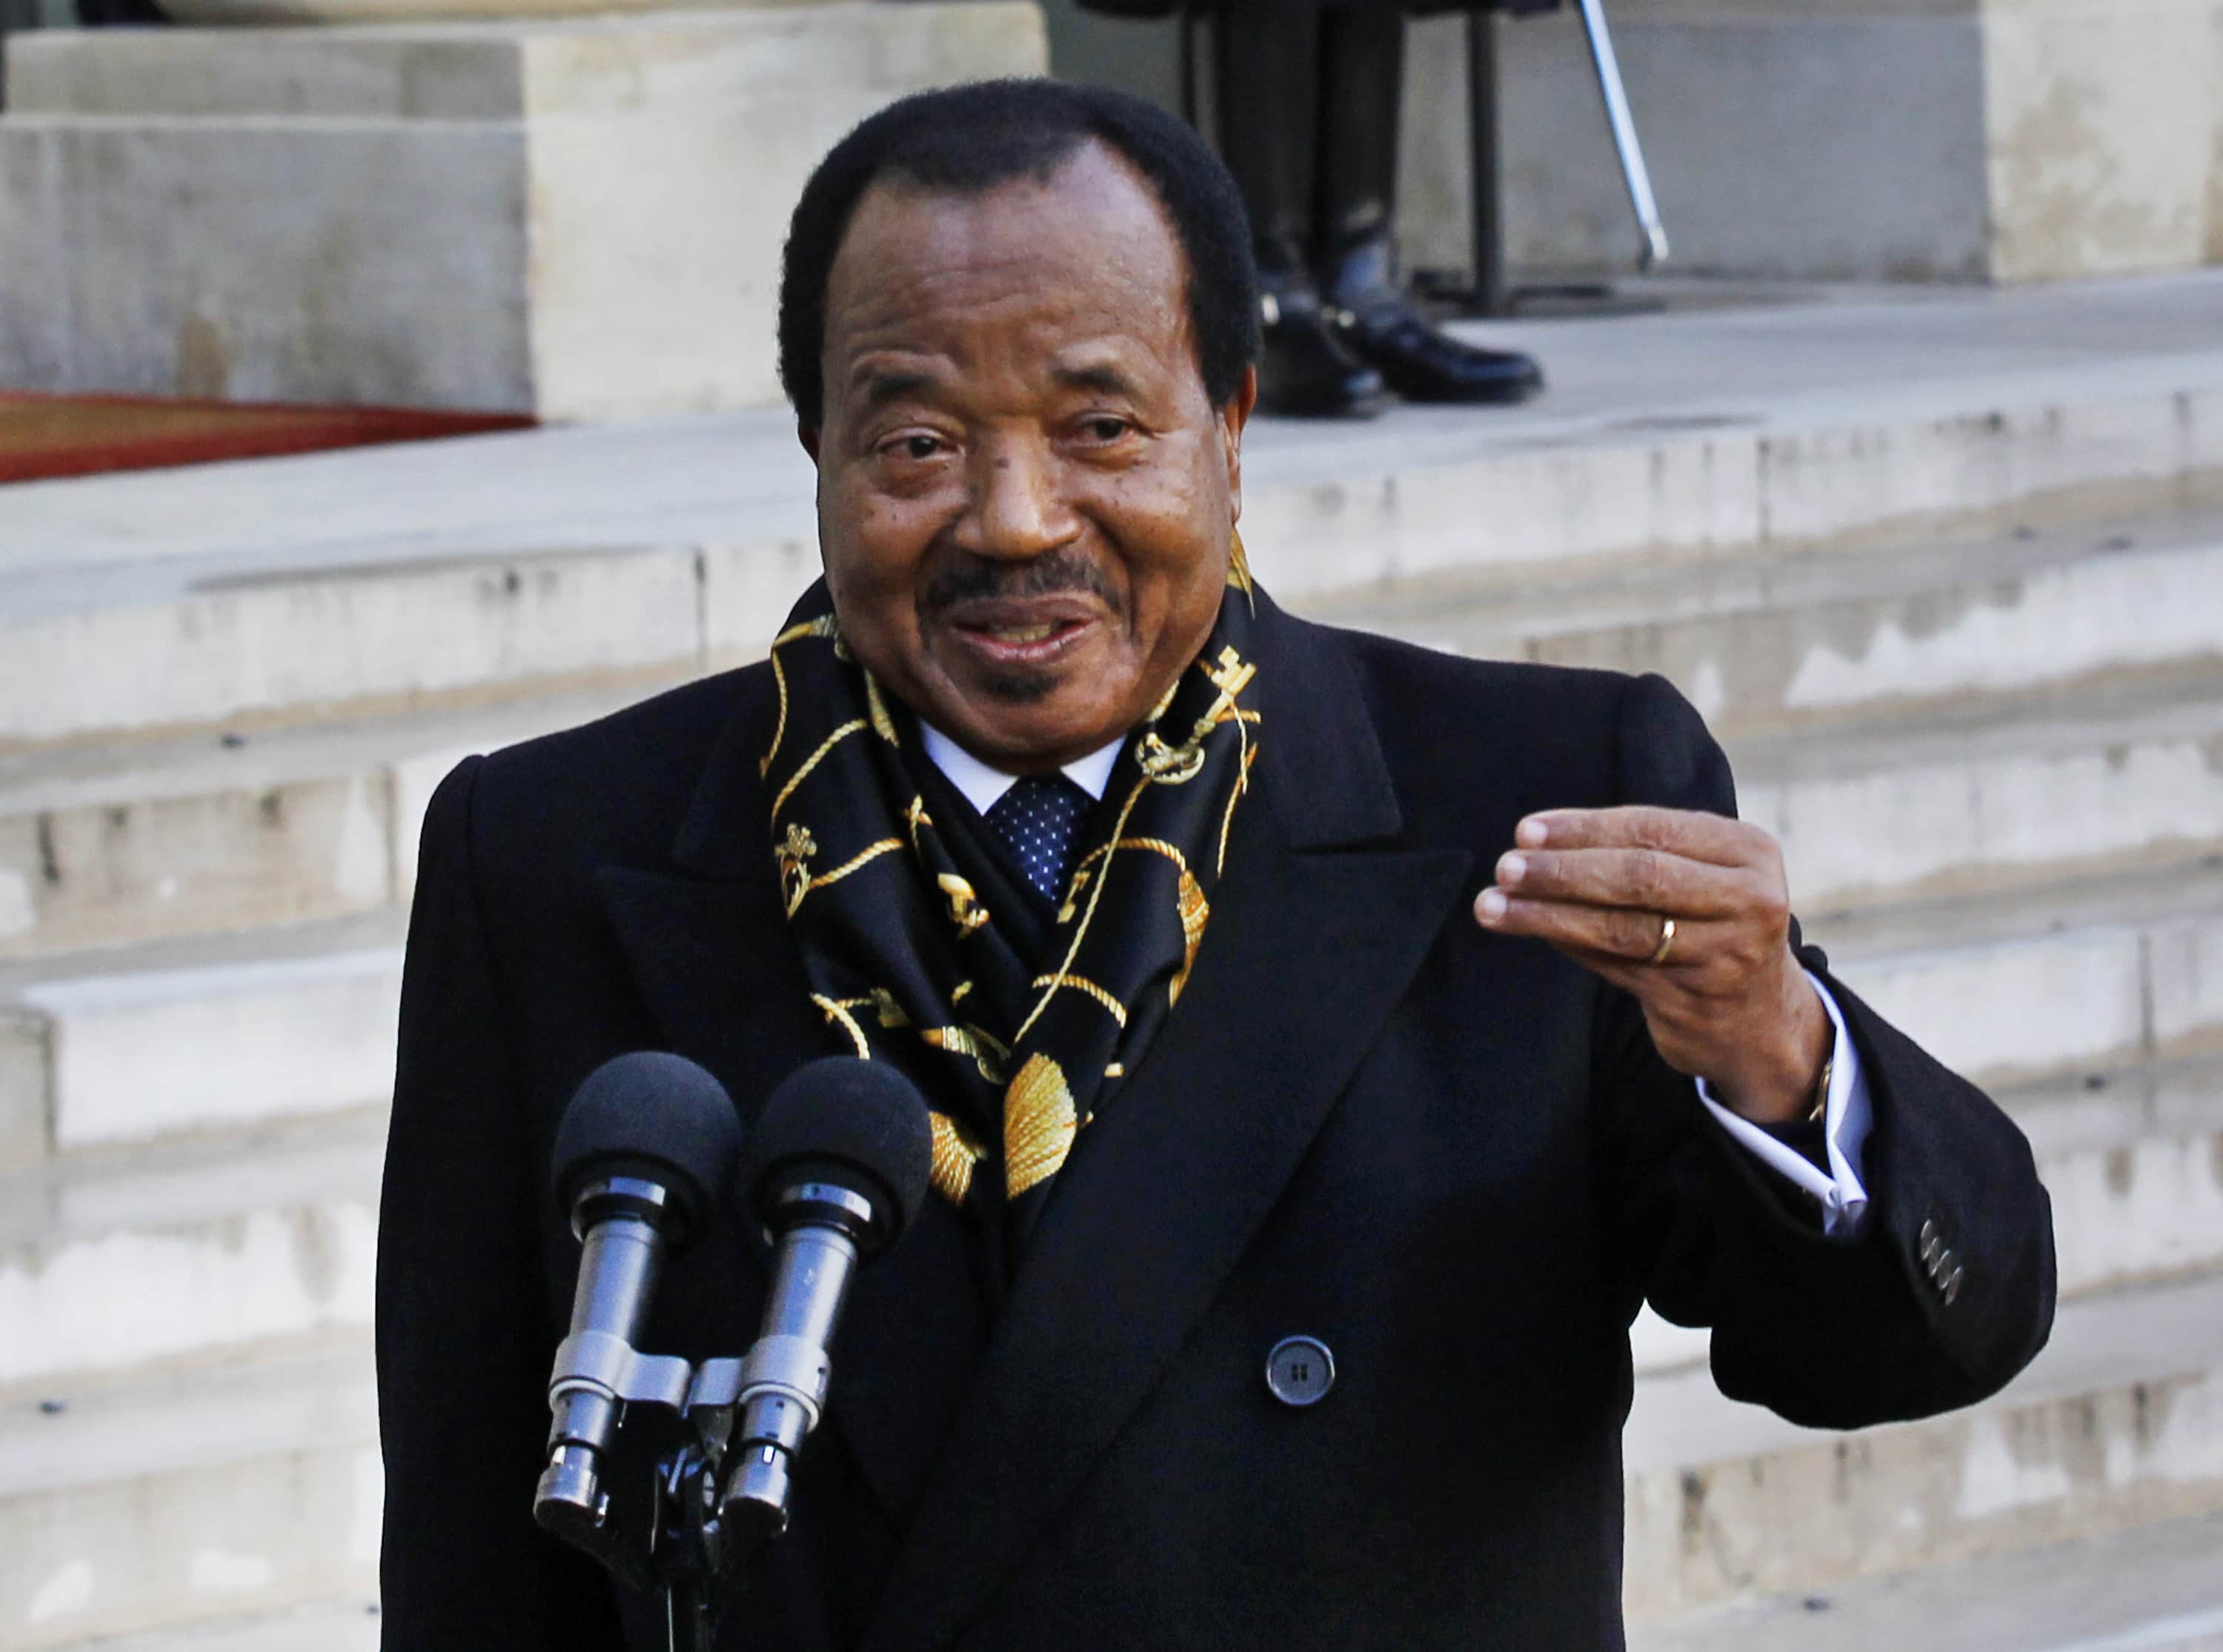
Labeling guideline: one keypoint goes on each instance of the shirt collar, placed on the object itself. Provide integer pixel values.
(982, 786)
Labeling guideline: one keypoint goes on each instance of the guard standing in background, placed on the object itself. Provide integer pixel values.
(1308, 94)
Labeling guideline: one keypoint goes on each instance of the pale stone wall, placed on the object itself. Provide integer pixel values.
(1859, 140)
(2215, 248)
(388, 11)
(574, 218)
(2100, 122)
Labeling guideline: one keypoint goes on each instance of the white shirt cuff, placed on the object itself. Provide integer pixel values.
(1847, 1115)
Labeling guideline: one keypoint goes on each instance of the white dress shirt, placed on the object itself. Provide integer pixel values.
(1847, 1113)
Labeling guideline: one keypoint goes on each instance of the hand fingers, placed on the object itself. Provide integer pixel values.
(1632, 975)
(1647, 880)
(1715, 838)
(1617, 933)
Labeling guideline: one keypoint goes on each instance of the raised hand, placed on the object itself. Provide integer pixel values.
(1689, 914)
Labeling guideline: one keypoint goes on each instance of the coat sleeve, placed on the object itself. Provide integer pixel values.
(1829, 1333)
(463, 1332)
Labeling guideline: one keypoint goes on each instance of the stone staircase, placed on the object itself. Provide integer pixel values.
(1965, 643)
(1996, 768)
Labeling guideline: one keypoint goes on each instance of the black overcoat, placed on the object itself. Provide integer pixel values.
(1453, 1157)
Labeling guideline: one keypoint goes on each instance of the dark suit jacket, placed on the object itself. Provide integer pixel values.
(1453, 1157)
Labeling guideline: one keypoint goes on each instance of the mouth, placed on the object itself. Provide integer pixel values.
(1029, 632)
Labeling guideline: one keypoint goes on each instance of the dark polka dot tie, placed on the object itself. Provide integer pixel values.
(1038, 820)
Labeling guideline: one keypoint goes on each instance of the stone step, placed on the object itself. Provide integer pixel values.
(2075, 977)
(216, 1033)
(113, 845)
(182, 650)
(1766, 642)
(437, 572)
(196, 1247)
(253, 1488)
(2093, 1014)
(230, 1031)
(2132, 1157)
(245, 1489)
(2020, 793)
(273, 1241)
(346, 1625)
(189, 1251)
(2117, 1424)
(2152, 1588)
(2134, 1160)
(199, 1245)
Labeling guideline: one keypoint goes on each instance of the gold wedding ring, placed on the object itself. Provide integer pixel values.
(1666, 941)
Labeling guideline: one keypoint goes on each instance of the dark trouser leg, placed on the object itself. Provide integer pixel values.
(1361, 86)
(109, 14)
(1266, 76)
(1262, 70)
(1361, 90)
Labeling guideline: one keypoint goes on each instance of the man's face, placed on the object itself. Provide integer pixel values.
(1025, 500)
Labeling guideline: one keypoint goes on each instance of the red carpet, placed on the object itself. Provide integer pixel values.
(80, 436)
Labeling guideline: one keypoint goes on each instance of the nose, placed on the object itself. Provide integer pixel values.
(1015, 508)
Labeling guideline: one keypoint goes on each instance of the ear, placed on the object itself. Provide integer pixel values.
(1234, 417)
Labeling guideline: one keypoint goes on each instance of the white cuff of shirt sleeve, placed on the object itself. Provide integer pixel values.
(1846, 1117)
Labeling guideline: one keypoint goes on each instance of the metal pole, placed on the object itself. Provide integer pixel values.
(1493, 294)
(1625, 142)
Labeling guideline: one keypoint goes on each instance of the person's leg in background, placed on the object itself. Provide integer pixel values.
(118, 14)
(1266, 78)
(1362, 71)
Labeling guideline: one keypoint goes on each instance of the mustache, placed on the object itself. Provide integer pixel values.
(1056, 573)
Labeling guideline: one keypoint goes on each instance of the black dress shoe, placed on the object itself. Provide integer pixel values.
(1305, 371)
(1370, 315)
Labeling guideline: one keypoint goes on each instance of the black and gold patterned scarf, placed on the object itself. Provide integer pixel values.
(1015, 1053)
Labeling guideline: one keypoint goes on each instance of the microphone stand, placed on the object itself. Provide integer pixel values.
(685, 1548)
(698, 1548)
(689, 1556)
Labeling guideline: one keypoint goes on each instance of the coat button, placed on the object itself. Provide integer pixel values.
(1299, 1371)
(1948, 1276)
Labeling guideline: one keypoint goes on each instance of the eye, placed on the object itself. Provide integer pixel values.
(1104, 427)
(916, 446)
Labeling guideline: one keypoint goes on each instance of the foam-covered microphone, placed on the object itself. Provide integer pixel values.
(840, 1165)
(643, 1161)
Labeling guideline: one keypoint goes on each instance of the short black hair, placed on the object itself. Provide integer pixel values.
(968, 140)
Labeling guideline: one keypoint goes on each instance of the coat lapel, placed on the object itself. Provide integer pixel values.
(698, 953)
(1313, 943)
(703, 933)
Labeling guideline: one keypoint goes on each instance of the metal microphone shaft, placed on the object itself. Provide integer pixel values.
(785, 1377)
(622, 1256)
(843, 1152)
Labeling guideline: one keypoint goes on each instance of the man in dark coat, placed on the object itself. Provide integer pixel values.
(1308, 96)
(1331, 1044)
